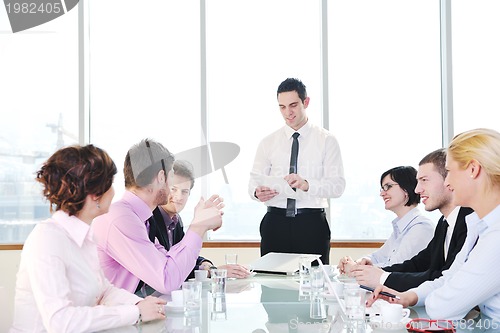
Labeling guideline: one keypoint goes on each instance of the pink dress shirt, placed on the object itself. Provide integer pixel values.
(127, 255)
(60, 286)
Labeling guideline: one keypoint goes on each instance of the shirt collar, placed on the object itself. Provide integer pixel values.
(304, 130)
(472, 220)
(138, 206)
(491, 220)
(166, 217)
(452, 218)
(477, 226)
(400, 224)
(74, 227)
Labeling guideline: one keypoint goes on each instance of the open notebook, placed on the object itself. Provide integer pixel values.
(279, 263)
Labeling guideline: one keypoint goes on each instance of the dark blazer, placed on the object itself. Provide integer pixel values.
(429, 263)
(158, 230)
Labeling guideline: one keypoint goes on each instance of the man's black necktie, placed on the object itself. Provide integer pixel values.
(290, 203)
(153, 228)
(444, 229)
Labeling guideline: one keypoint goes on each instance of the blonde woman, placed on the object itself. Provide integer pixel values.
(473, 164)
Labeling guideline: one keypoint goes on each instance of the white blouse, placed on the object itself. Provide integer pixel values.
(411, 234)
(60, 286)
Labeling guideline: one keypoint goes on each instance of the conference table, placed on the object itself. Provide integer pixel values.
(271, 304)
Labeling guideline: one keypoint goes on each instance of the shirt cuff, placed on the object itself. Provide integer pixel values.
(421, 295)
(313, 189)
(384, 277)
(365, 257)
(130, 314)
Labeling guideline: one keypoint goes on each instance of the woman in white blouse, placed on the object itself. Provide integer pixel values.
(473, 164)
(60, 286)
(412, 231)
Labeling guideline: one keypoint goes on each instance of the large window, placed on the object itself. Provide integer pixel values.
(39, 107)
(385, 101)
(190, 73)
(476, 69)
(245, 65)
(145, 78)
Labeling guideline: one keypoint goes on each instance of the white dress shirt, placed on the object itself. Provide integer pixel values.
(472, 278)
(451, 219)
(411, 234)
(60, 286)
(319, 162)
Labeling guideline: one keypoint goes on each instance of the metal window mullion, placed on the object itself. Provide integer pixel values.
(83, 74)
(446, 72)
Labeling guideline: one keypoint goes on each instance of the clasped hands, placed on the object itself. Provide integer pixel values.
(362, 270)
(369, 275)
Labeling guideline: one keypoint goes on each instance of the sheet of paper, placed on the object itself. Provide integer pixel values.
(276, 183)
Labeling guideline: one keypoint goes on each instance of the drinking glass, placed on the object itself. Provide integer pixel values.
(304, 266)
(317, 309)
(355, 302)
(231, 259)
(218, 278)
(218, 310)
(191, 293)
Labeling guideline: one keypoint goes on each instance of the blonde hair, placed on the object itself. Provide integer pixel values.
(482, 145)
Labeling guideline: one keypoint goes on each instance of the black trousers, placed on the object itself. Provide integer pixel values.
(304, 233)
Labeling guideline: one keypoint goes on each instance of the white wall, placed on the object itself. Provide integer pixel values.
(9, 265)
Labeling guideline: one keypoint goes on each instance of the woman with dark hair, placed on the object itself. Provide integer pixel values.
(473, 165)
(60, 286)
(411, 230)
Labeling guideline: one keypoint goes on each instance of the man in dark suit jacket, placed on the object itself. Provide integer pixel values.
(448, 239)
(429, 263)
(166, 225)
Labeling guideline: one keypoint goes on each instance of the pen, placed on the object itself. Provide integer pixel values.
(381, 293)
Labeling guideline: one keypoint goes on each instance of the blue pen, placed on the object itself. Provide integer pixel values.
(381, 293)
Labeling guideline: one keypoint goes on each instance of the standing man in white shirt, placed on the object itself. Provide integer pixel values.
(308, 158)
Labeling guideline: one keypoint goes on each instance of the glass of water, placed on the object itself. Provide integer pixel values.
(355, 302)
(231, 258)
(218, 278)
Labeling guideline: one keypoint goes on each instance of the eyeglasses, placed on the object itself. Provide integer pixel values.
(387, 187)
(428, 325)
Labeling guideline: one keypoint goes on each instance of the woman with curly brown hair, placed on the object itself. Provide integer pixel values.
(60, 286)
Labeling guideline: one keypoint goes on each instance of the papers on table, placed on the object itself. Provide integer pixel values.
(279, 263)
